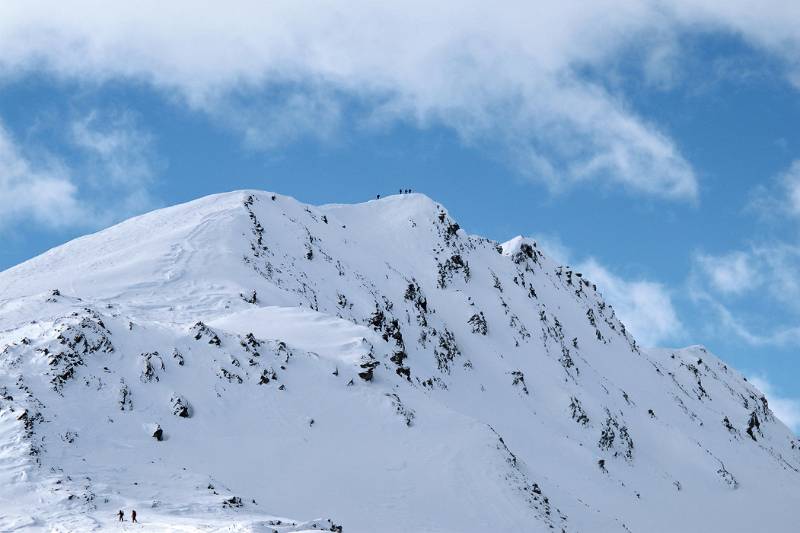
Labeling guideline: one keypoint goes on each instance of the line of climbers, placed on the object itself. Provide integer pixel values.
(400, 191)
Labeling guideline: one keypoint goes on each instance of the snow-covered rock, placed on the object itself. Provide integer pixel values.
(370, 363)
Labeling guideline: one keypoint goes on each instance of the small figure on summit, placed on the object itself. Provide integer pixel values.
(133, 516)
(121, 515)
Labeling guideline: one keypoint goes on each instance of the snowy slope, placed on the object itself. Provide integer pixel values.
(370, 364)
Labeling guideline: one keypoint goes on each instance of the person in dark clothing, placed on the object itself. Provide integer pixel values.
(133, 516)
(379, 197)
(121, 516)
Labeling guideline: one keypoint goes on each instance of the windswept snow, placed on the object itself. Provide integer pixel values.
(371, 367)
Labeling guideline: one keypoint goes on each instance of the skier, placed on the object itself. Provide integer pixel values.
(121, 516)
(378, 197)
(133, 516)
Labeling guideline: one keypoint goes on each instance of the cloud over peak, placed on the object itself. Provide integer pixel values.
(511, 74)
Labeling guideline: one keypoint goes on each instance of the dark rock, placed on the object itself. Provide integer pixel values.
(368, 369)
(180, 406)
(232, 502)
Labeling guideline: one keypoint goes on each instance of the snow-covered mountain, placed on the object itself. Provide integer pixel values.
(242, 357)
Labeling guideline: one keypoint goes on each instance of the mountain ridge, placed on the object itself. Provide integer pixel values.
(446, 381)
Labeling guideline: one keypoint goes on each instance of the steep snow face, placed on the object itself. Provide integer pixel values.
(246, 355)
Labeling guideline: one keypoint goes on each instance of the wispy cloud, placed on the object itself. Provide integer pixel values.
(781, 197)
(731, 273)
(279, 71)
(727, 322)
(276, 118)
(513, 77)
(117, 162)
(43, 192)
(119, 150)
(101, 173)
(772, 269)
(738, 285)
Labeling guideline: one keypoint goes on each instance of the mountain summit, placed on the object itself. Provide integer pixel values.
(228, 362)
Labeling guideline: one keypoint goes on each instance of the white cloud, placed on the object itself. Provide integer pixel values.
(785, 408)
(732, 273)
(645, 307)
(44, 193)
(747, 330)
(511, 75)
(275, 71)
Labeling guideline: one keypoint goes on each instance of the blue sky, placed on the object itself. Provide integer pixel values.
(652, 146)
